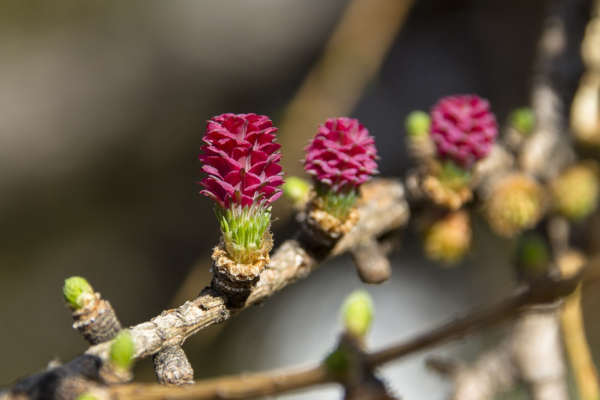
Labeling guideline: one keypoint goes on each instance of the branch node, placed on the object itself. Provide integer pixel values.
(371, 262)
(96, 320)
(172, 367)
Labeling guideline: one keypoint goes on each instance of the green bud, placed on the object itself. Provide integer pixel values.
(576, 190)
(357, 313)
(417, 123)
(296, 189)
(86, 396)
(73, 290)
(523, 120)
(533, 256)
(122, 350)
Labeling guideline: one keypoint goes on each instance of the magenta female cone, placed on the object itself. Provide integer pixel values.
(340, 158)
(463, 129)
(342, 155)
(241, 160)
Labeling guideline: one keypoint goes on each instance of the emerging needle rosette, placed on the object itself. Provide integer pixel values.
(241, 159)
(341, 157)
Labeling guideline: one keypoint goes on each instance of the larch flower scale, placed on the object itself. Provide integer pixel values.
(244, 175)
(340, 158)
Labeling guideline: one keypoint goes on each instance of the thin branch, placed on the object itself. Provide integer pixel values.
(576, 344)
(235, 387)
(492, 373)
(382, 209)
(545, 292)
(276, 382)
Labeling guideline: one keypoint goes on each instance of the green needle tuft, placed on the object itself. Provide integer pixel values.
(244, 230)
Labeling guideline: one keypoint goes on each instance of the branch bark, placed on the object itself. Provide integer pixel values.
(382, 208)
(276, 382)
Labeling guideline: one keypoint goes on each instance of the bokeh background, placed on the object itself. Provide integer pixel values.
(102, 110)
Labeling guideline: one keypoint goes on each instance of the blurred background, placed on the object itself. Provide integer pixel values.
(102, 109)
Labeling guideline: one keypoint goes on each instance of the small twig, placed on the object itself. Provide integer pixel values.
(371, 262)
(235, 387)
(383, 208)
(492, 373)
(576, 344)
(250, 386)
(543, 292)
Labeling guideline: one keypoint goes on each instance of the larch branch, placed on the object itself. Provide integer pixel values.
(382, 208)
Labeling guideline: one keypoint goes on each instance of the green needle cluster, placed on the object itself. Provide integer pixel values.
(338, 204)
(244, 230)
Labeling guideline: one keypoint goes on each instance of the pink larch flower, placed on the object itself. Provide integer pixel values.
(241, 159)
(463, 128)
(342, 155)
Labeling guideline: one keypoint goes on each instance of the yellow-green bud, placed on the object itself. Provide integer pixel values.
(357, 313)
(515, 203)
(575, 191)
(122, 350)
(417, 123)
(296, 189)
(73, 290)
(523, 120)
(86, 396)
(448, 239)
